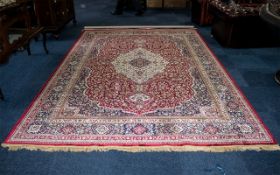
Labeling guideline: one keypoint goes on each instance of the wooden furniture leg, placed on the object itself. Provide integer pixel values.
(74, 21)
(277, 77)
(44, 42)
(28, 48)
(1, 95)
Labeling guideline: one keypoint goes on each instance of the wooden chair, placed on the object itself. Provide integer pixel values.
(16, 30)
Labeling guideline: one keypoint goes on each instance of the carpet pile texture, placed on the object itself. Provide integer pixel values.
(145, 89)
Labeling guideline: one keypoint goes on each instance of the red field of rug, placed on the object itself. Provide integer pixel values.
(140, 90)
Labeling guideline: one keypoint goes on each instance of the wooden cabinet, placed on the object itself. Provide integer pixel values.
(200, 12)
(16, 29)
(53, 15)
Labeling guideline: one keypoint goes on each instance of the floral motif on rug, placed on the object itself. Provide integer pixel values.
(132, 87)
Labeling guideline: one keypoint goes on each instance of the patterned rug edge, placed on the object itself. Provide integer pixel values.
(135, 149)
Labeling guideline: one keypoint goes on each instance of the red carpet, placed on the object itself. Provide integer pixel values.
(140, 90)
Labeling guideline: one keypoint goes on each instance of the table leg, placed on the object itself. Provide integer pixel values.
(74, 21)
(1, 95)
(45, 42)
(28, 48)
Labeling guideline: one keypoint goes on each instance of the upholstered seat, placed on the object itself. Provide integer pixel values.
(237, 23)
(237, 8)
(270, 13)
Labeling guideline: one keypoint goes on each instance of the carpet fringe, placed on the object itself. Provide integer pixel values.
(134, 149)
(141, 27)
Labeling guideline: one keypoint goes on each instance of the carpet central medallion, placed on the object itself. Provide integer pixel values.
(140, 89)
(139, 65)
